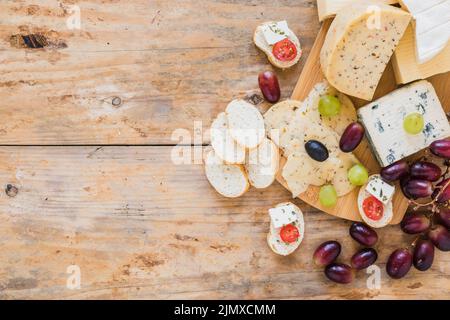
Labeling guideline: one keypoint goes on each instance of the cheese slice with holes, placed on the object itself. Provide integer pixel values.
(431, 25)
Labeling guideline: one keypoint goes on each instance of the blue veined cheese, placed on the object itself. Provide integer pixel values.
(359, 45)
(381, 190)
(383, 120)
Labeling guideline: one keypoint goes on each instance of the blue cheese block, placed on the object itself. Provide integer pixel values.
(383, 120)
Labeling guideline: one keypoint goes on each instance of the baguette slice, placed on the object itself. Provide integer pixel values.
(223, 144)
(262, 165)
(261, 43)
(273, 237)
(230, 180)
(245, 124)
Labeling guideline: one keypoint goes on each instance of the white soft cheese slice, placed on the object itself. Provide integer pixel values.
(282, 216)
(275, 32)
(432, 26)
(383, 120)
(381, 190)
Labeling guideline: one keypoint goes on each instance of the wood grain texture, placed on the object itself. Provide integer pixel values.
(140, 227)
(137, 225)
(347, 206)
(170, 63)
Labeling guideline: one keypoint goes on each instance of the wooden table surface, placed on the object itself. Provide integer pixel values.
(86, 137)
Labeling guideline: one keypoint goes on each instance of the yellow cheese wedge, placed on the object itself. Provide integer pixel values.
(406, 66)
(359, 45)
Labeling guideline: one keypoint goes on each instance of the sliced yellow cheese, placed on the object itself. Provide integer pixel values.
(359, 45)
(328, 8)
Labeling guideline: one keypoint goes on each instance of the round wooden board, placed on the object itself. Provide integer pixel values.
(347, 207)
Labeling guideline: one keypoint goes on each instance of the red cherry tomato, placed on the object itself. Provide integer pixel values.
(289, 233)
(285, 50)
(373, 208)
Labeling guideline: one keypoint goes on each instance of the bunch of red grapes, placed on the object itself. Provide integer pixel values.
(419, 181)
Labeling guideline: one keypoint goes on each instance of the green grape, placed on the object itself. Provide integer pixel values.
(328, 196)
(329, 106)
(358, 175)
(413, 123)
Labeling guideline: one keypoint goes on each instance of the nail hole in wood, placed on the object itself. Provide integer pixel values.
(11, 191)
(116, 102)
(254, 99)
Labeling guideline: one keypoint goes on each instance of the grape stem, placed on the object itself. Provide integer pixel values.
(413, 244)
(433, 200)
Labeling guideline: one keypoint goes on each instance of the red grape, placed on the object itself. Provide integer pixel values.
(445, 195)
(327, 253)
(270, 88)
(364, 258)
(415, 189)
(443, 217)
(440, 237)
(423, 255)
(423, 170)
(351, 137)
(340, 273)
(399, 263)
(363, 234)
(441, 148)
(415, 223)
(395, 171)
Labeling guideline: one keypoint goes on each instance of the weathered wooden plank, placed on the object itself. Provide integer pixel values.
(169, 62)
(140, 227)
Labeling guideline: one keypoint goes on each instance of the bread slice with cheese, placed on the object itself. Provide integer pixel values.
(261, 42)
(230, 180)
(262, 164)
(223, 144)
(274, 240)
(245, 124)
(359, 45)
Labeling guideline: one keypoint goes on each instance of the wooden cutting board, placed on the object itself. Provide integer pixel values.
(347, 207)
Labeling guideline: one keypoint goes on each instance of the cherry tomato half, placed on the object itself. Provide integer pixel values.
(285, 50)
(373, 208)
(289, 233)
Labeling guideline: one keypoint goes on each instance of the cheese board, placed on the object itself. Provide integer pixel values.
(347, 206)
